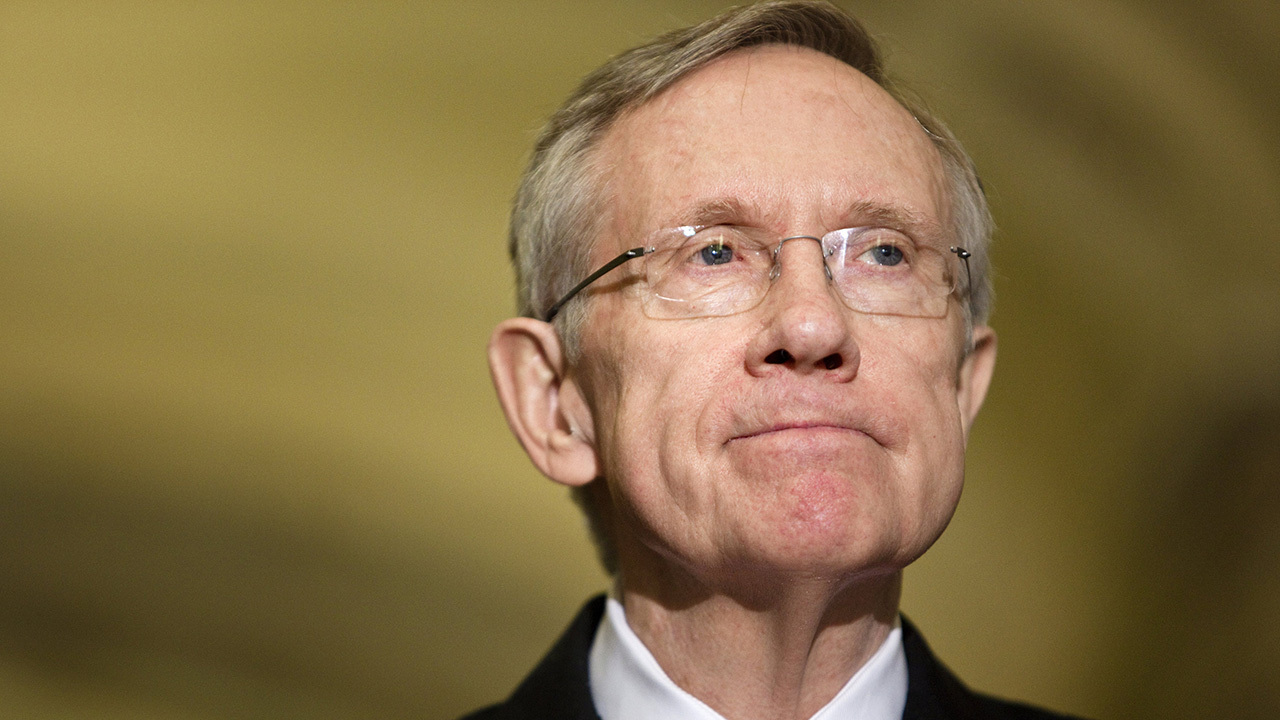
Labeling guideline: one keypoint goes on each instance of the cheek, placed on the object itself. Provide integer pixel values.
(919, 374)
(649, 420)
(927, 362)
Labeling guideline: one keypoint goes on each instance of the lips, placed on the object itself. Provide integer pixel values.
(782, 419)
(806, 409)
(815, 426)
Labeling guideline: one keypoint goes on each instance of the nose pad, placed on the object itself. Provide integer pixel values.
(776, 270)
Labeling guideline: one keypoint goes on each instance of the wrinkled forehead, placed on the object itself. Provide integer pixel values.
(796, 139)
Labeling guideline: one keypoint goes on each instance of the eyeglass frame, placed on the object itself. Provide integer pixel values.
(636, 252)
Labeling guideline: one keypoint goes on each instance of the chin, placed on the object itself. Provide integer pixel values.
(839, 552)
(840, 535)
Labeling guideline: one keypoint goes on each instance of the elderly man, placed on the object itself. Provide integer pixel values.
(753, 287)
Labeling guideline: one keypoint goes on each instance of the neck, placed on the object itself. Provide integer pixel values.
(780, 649)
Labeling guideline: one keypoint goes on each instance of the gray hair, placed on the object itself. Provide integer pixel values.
(555, 215)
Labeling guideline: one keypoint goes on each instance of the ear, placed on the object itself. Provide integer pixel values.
(975, 375)
(545, 410)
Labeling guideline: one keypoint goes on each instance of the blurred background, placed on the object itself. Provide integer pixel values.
(250, 254)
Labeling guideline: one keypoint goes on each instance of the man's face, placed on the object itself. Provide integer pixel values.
(799, 436)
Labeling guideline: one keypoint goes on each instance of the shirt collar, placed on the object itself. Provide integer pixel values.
(627, 683)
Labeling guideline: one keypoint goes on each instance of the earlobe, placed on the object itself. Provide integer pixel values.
(975, 375)
(544, 409)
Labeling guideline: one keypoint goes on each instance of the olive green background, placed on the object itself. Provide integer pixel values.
(250, 254)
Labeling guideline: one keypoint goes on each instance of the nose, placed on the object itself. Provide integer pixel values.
(807, 329)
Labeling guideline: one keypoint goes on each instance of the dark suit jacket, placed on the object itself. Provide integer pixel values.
(557, 689)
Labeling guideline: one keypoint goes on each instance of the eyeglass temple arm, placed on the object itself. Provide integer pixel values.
(628, 255)
(968, 278)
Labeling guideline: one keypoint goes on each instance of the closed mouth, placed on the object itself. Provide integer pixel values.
(784, 427)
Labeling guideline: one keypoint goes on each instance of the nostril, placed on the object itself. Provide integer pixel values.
(778, 357)
(832, 361)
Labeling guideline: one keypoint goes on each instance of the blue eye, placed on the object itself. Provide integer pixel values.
(716, 254)
(886, 254)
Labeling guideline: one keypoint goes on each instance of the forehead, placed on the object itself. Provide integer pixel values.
(796, 139)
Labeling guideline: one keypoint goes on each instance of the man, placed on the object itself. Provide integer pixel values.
(753, 288)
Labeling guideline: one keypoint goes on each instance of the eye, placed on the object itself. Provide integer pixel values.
(875, 249)
(716, 254)
(888, 255)
(717, 251)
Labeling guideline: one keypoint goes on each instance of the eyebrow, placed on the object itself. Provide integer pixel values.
(733, 211)
(911, 221)
(721, 211)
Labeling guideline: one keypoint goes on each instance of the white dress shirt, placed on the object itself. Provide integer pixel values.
(627, 683)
